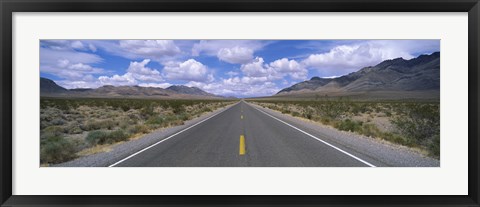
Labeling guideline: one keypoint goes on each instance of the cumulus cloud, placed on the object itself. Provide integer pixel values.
(150, 48)
(78, 45)
(238, 87)
(257, 69)
(137, 72)
(290, 67)
(156, 85)
(235, 55)
(344, 59)
(190, 70)
(87, 81)
(118, 80)
(274, 70)
(257, 79)
(140, 72)
(230, 51)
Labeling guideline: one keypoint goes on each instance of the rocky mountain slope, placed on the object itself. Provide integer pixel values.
(417, 74)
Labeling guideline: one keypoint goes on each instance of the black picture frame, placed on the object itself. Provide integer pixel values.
(7, 7)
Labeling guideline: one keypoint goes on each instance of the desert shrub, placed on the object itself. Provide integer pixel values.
(307, 115)
(370, 130)
(156, 120)
(96, 137)
(147, 111)
(434, 146)
(57, 121)
(106, 124)
(73, 129)
(89, 126)
(207, 109)
(420, 123)
(183, 116)
(178, 108)
(103, 137)
(138, 129)
(285, 110)
(349, 125)
(332, 109)
(117, 136)
(395, 138)
(56, 149)
(52, 131)
(96, 125)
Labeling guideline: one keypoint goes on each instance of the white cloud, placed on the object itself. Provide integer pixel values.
(140, 72)
(80, 67)
(290, 67)
(235, 55)
(257, 78)
(78, 84)
(69, 64)
(274, 70)
(156, 50)
(257, 68)
(137, 72)
(118, 80)
(231, 51)
(190, 70)
(237, 87)
(77, 45)
(72, 45)
(150, 48)
(156, 85)
(92, 47)
(87, 81)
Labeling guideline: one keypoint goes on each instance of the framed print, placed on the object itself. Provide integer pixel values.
(197, 103)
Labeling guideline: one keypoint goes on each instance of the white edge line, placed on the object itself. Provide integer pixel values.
(136, 153)
(318, 139)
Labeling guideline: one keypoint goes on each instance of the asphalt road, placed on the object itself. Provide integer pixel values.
(246, 136)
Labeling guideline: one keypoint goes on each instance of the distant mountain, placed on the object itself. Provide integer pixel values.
(417, 74)
(129, 91)
(189, 90)
(81, 89)
(50, 88)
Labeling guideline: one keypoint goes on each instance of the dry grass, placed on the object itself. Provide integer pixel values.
(95, 149)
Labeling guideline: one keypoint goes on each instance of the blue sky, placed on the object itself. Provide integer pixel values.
(241, 68)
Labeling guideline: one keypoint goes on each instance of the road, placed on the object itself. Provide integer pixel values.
(245, 135)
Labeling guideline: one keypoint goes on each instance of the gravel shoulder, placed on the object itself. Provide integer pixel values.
(125, 149)
(378, 152)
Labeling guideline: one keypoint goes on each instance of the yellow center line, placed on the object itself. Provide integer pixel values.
(241, 116)
(242, 145)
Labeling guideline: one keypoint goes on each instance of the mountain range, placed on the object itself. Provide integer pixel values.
(51, 89)
(419, 76)
(396, 75)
